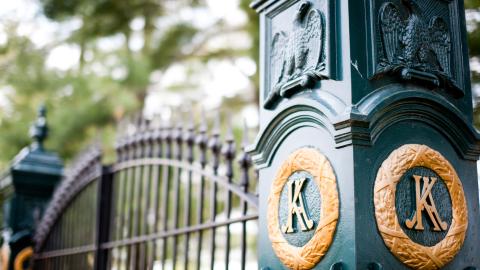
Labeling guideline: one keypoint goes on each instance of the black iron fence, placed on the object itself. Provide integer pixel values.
(177, 197)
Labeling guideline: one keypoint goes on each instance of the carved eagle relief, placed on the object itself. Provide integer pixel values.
(415, 46)
(297, 56)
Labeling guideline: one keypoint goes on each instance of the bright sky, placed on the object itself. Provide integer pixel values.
(216, 79)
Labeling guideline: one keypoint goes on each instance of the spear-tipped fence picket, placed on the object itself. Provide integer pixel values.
(177, 197)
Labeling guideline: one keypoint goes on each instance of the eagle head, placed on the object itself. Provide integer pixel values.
(411, 5)
(302, 10)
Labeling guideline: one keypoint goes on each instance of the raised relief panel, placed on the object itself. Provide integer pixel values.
(420, 207)
(296, 206)
(417, 41)
(424, 202)
(296, 49)
(303, 209)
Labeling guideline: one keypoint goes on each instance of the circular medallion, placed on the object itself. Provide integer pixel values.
(23, 261)
(420, 207)
(303, 209)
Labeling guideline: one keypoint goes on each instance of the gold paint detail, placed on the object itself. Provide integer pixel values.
(4, 255)
(422, 204)
(295, 209)
(306, 257)
(412, 254)
(23, 256)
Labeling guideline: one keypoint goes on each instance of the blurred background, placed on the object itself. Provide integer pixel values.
(91, 62)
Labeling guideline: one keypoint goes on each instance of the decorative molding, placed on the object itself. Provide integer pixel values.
(301, 112)
(412, 254)
(257, 3)
(364, 123)
(297, 55)
(307, 256)
(416, 46)
(376, 112)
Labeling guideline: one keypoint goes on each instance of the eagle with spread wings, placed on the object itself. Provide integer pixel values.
(415, 45)
(296, 58)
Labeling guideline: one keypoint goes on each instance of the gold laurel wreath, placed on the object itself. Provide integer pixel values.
(23, 256)
(306, 257)
(410, 253)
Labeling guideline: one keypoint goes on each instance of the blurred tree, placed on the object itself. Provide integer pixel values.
(81, 104)
(473, 21)
(106, 18)
(473, 6)
(253, 28)
(88, 99)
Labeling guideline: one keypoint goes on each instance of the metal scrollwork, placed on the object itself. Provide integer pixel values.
(298, 57)
(416, 46)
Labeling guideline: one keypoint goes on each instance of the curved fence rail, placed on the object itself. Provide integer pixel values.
(176, 198)
(63, 238)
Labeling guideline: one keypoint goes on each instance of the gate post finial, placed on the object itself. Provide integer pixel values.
(39, 129)
(25, 189)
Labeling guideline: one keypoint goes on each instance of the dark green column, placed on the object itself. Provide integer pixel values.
(27, 187)
(365, 83)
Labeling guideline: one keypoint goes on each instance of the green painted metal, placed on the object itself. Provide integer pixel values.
(365, 103)
(27, 186)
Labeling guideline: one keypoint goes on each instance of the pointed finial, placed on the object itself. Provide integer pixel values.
(39, 129)
(245, 160)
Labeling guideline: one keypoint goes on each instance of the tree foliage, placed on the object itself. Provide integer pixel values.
(85, 101)
(80, 104)
(473, 25)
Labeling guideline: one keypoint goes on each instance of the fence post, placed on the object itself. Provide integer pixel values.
(367, 151)
(104, 212)
(25, 190)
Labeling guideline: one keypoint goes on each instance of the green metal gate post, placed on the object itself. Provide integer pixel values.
(25, 191)
(366, 152)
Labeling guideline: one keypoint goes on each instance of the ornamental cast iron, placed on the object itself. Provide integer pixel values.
(424, 202)
(305, 164)
(157, 206)
(25, 191)
(296, 207)
(409, 250)
(297, 57)
(391, 83)
(416, 45)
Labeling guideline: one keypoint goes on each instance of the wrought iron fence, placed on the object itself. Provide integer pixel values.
(67, 233)
(176, 198)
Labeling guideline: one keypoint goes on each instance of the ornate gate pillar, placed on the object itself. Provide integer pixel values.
(25, 190)
(366, 151)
